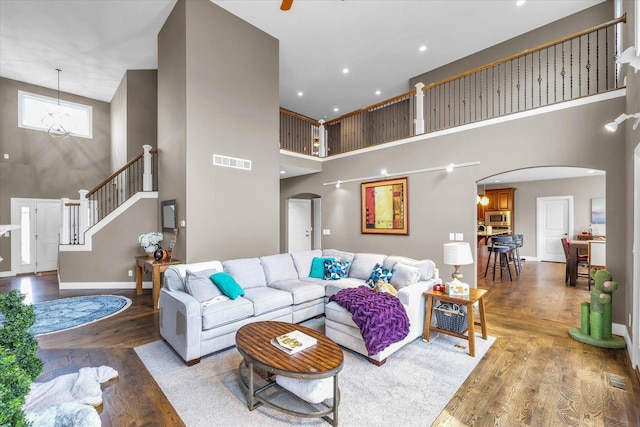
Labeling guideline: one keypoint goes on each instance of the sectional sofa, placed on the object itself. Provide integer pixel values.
(196, 319)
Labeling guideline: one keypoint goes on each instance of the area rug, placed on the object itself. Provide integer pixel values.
(410, 389)
(67, 313)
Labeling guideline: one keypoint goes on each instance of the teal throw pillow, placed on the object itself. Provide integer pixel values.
(317, 267)
(334, 270)
(379, 273)
(227, 285)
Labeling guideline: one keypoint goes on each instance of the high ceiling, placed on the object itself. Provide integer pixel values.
(94, 42)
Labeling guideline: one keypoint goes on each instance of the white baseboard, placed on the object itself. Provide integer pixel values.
(103, 285)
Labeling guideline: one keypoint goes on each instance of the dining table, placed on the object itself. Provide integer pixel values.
(574, 249)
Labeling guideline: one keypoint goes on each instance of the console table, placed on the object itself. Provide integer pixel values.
(146, 263)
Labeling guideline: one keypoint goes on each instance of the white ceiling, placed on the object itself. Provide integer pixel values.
(540, 174)
(95, 41)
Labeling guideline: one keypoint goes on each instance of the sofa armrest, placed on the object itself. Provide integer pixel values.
(415, 304)
(181, 323)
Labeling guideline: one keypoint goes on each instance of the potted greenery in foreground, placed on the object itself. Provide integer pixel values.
(18, 361)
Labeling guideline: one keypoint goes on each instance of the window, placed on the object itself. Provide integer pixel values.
(33, 108)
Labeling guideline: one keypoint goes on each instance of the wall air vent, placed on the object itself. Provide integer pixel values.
(231, 162)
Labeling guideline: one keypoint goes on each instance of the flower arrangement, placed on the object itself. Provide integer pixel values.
(150, 239)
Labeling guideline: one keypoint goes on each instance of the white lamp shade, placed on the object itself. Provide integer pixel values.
(457, 253)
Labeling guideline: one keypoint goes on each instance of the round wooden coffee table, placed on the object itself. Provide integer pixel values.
(323, 360)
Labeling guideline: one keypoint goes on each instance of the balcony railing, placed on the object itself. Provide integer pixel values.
(575, 66)
(139, 174)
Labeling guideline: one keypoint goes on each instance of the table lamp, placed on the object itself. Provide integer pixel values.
(457, 254)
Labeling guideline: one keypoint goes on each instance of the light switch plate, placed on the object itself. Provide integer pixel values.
(459, 236)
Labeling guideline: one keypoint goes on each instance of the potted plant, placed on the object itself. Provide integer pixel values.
(20, 365)
(149, 241)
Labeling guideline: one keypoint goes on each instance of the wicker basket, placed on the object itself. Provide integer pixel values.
(451, 317)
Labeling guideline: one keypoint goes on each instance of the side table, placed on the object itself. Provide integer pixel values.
(145, 263)
(468, 301)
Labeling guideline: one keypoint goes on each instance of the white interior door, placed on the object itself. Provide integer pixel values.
(48, 235)
(34, 247)
(554, 220)
(299, 232)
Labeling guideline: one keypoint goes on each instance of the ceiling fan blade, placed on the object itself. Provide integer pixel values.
(286, 4)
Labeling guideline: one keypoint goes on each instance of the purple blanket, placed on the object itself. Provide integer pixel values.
(380, 316)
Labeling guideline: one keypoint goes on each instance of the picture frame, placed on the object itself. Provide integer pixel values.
(598, 211)
(385, 207)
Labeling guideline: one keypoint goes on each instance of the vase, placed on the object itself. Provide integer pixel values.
(150, 250)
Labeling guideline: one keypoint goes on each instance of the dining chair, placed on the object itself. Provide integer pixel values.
(581, 260)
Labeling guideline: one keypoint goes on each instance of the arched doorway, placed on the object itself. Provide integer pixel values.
(530, 186)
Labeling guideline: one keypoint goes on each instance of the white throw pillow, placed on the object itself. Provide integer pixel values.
(313, 391)
(404, 275)
(200, 286)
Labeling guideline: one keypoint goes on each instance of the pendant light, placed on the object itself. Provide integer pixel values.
(56, 121)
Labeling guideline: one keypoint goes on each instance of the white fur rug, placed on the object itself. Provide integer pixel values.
(68, 400)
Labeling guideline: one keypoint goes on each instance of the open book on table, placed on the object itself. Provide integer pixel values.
(293, 342)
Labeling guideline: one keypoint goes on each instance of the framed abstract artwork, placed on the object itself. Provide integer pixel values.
(385, 206)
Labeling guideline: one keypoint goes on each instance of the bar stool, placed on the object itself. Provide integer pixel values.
(518, 239)
(500, 247)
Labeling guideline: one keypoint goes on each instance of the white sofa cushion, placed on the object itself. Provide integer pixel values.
(426, 266)
(224, 312)
(338, 255)
(301, 291)
(404, 275)
(266, 299)
(200, 286)
(302, 261)
(248, 272)
(363, 265)
(175, 275)
(278, 267)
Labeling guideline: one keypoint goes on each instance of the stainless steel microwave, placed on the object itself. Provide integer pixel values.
(497, 218)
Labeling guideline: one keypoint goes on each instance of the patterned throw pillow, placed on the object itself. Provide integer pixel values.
(334, 270)
(379, 273)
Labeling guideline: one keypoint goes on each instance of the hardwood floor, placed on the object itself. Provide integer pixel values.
(533, 375)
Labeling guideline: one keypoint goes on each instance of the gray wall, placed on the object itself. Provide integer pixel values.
(134, 116)
(440, 203)
(40, 166)
(231, 107)
(114, 249)
(632, 141)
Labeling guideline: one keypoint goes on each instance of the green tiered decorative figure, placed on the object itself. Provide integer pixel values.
(596, 316)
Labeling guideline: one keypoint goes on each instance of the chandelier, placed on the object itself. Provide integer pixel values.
(483, 200)
(57, 123)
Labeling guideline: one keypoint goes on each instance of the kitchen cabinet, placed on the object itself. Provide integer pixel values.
(500, 199)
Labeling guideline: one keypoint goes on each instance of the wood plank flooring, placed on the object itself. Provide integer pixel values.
(533, 375)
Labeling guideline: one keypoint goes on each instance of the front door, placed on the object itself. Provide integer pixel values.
(554, 219)
(34, 246)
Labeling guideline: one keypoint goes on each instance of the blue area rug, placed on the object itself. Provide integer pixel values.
(68, 313)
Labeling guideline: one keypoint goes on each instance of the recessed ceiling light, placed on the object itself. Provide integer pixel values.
(590, 171)
(300, 93)
(497, 180)
(283, 172)
(423, 48)
(345, 71)
(378, 92)
(336, 109)
(520, 2)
